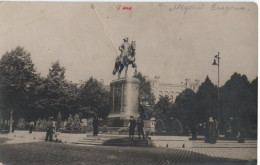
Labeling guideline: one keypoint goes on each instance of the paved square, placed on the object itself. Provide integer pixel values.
(60, 153)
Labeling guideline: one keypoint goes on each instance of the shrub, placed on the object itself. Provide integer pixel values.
(21, 124)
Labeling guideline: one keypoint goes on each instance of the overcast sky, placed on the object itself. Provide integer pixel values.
(171, 42)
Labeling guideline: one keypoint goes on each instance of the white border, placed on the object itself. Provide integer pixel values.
(255, 1)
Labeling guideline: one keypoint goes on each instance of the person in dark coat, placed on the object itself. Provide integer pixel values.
(31, 128)
(49, 130)
(194, 132)
(140, 127)
(95, 126)
(241, 129)
(132, 125)
(210, 136)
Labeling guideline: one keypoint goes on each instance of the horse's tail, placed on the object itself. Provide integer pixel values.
(116, 67)
(114, 71)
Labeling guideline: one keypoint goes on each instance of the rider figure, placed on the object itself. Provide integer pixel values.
(126, 57)
(124, 48)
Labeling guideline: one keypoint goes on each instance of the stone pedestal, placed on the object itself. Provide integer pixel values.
(124, 101)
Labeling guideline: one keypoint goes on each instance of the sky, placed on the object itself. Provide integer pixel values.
(175, 41)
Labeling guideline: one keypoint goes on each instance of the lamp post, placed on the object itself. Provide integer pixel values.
(217, 57)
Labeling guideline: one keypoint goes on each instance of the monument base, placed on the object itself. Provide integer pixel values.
(117, 122)
(124, 104)
(124, 101)
(119, 126)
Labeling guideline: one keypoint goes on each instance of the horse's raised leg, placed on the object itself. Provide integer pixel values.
(115, 69)
(117, 65)
(120, 70)
(135, 66)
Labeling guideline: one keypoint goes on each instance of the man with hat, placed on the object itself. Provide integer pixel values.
(124, 49)
(132, 125)
(95, 126)
(49, 130)
(140, 127)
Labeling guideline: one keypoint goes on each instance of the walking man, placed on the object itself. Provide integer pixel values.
(140, 127)
(31, 127)
(49, 130)
(132, 125)
(95, 126)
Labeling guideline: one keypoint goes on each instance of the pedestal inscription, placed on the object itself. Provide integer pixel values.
(124, 98)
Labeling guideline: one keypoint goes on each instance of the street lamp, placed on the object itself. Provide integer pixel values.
(217, 63)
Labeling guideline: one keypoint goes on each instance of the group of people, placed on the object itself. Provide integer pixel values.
(132, 124)
(140, 127)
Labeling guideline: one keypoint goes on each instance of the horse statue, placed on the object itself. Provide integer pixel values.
(123, 61)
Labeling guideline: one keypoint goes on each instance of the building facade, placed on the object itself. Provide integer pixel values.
(172, 90)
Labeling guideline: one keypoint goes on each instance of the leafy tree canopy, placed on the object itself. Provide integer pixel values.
(146, 96)
(94, 99)
(18, 79)
(163, 108)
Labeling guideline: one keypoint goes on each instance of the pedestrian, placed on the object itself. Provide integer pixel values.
(206, 132)
(31, 128)
(211, 131)
(49, 130)
(241, 129)
(194, 131)
(140, 127)
(228, 129)
(132, 125)
(95, 126)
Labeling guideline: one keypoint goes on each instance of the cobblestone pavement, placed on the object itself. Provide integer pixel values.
(224, 144)
(60, 153)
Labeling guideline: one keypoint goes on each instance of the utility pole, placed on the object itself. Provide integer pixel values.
(217, 57)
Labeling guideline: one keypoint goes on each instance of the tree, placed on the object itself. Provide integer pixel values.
(234, 96)
(253, 104)
(17, 82)
(41, 125)
(146, 96)
(76, 122)
(55, 84)
(163, 109)
(21, 123)
(55, 94)
(239, 100)
(206, 101)
(94, 99)
(184, 108)
(69, 103)
(69, 122)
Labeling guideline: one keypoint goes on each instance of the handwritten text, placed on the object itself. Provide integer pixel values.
(215, 7)
(186, 8)
(120, 7)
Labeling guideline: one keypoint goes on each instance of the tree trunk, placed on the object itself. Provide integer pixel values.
(11, 121)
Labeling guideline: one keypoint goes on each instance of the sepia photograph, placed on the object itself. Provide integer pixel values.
(137, 83)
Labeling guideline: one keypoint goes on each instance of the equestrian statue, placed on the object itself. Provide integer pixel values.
(126, 57)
